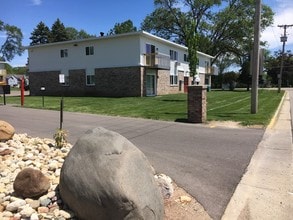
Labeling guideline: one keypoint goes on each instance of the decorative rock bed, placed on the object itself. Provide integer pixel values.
(22, 152)
(29, 154)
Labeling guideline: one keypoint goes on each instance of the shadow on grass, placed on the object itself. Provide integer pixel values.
(166, 100)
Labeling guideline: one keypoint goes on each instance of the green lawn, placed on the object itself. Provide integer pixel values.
(222, 105)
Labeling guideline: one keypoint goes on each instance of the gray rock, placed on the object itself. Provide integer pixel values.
(31, 183)
(14, 206)
(105, 176)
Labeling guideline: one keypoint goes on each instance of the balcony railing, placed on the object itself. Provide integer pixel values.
(157, 60)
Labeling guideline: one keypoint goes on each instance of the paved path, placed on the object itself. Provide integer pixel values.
(266, 189)
(207, 162)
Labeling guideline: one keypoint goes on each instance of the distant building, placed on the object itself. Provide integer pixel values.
(3, 73)
(13, 81)
(131, 64)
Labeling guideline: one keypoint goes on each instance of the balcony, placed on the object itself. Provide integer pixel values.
(213, 70)
(157, 60)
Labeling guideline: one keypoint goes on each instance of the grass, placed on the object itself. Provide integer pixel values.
(222, 106)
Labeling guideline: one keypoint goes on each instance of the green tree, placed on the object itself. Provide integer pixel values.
(245, 75)
(40, 35)
(231, 79)
(191, 42)
(74, 34)
(124, 27)
(220, 27)
(273, 64)
(12, 44)
(58, 32)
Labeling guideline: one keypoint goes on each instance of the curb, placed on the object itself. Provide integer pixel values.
(277, 112)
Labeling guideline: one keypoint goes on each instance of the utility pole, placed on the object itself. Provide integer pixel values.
(283, 39)
(255, 60)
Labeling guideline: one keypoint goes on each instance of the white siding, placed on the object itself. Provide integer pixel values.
(108, 52)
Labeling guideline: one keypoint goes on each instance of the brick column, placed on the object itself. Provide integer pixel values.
(197, 104)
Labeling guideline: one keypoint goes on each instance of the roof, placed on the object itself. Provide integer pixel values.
(137, 33)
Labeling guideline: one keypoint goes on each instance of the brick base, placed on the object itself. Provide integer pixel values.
(196, 104)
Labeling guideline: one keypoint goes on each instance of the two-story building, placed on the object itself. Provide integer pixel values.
(131, 64)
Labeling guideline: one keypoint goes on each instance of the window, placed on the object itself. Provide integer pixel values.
(173, 80)
(150, 49)
(66, 78)
(207, 67)
(64, 53)
(150, 54)
(90, 79)
(185, 58)
(173, 55)
(89, 50)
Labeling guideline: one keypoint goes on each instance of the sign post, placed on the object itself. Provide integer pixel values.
(61, 81)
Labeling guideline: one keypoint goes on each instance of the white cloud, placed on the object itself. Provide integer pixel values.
(282, 4)
(283, 16)
(36, 2)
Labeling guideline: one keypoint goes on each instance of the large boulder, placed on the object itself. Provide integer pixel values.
(31, 183)
(6, 131)
(105, 176)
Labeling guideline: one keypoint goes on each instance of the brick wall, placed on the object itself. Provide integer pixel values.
(114, 82)
(119, 82)
(111, 82)
(196, 104)
(163, 83)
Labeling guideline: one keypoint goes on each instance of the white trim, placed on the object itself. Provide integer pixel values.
(139, 33)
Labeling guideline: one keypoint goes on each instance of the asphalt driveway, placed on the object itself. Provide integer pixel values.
(206, 162)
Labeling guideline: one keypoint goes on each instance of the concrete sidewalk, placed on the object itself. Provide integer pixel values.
(266, 189)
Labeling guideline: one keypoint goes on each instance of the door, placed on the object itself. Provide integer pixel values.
(186, 81)
(151, 84)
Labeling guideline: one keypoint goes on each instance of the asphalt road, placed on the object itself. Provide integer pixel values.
(207, 162)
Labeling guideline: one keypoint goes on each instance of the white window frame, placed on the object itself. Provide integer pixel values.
(90, 79)
(174, 79)
(63, 53)
(89, 50)
(173, 55)
(66, 78)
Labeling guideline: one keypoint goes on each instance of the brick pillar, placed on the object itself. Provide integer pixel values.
(197, 104)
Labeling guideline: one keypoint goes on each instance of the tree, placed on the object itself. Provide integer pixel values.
(245, 75)
(13, 43)
(273, 64)
(58, 32)
(74, 34)
(219, 30)
(231, 79)
(191, 41)
(40, 35)
(124, 27)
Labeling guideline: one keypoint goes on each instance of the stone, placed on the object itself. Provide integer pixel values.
(43, 209)
(2, 208)
(5, 152)
(34, 216)
(33, 203)
(31, 183)
(105, 176)
(26, 212)
(65, 214)
(165, 184)
(6, 131)
(185, 199)
(14, 206)
(45, 202)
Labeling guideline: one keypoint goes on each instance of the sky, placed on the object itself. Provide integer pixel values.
(95, 16)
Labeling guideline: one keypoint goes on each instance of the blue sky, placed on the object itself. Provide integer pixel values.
(95, 16)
